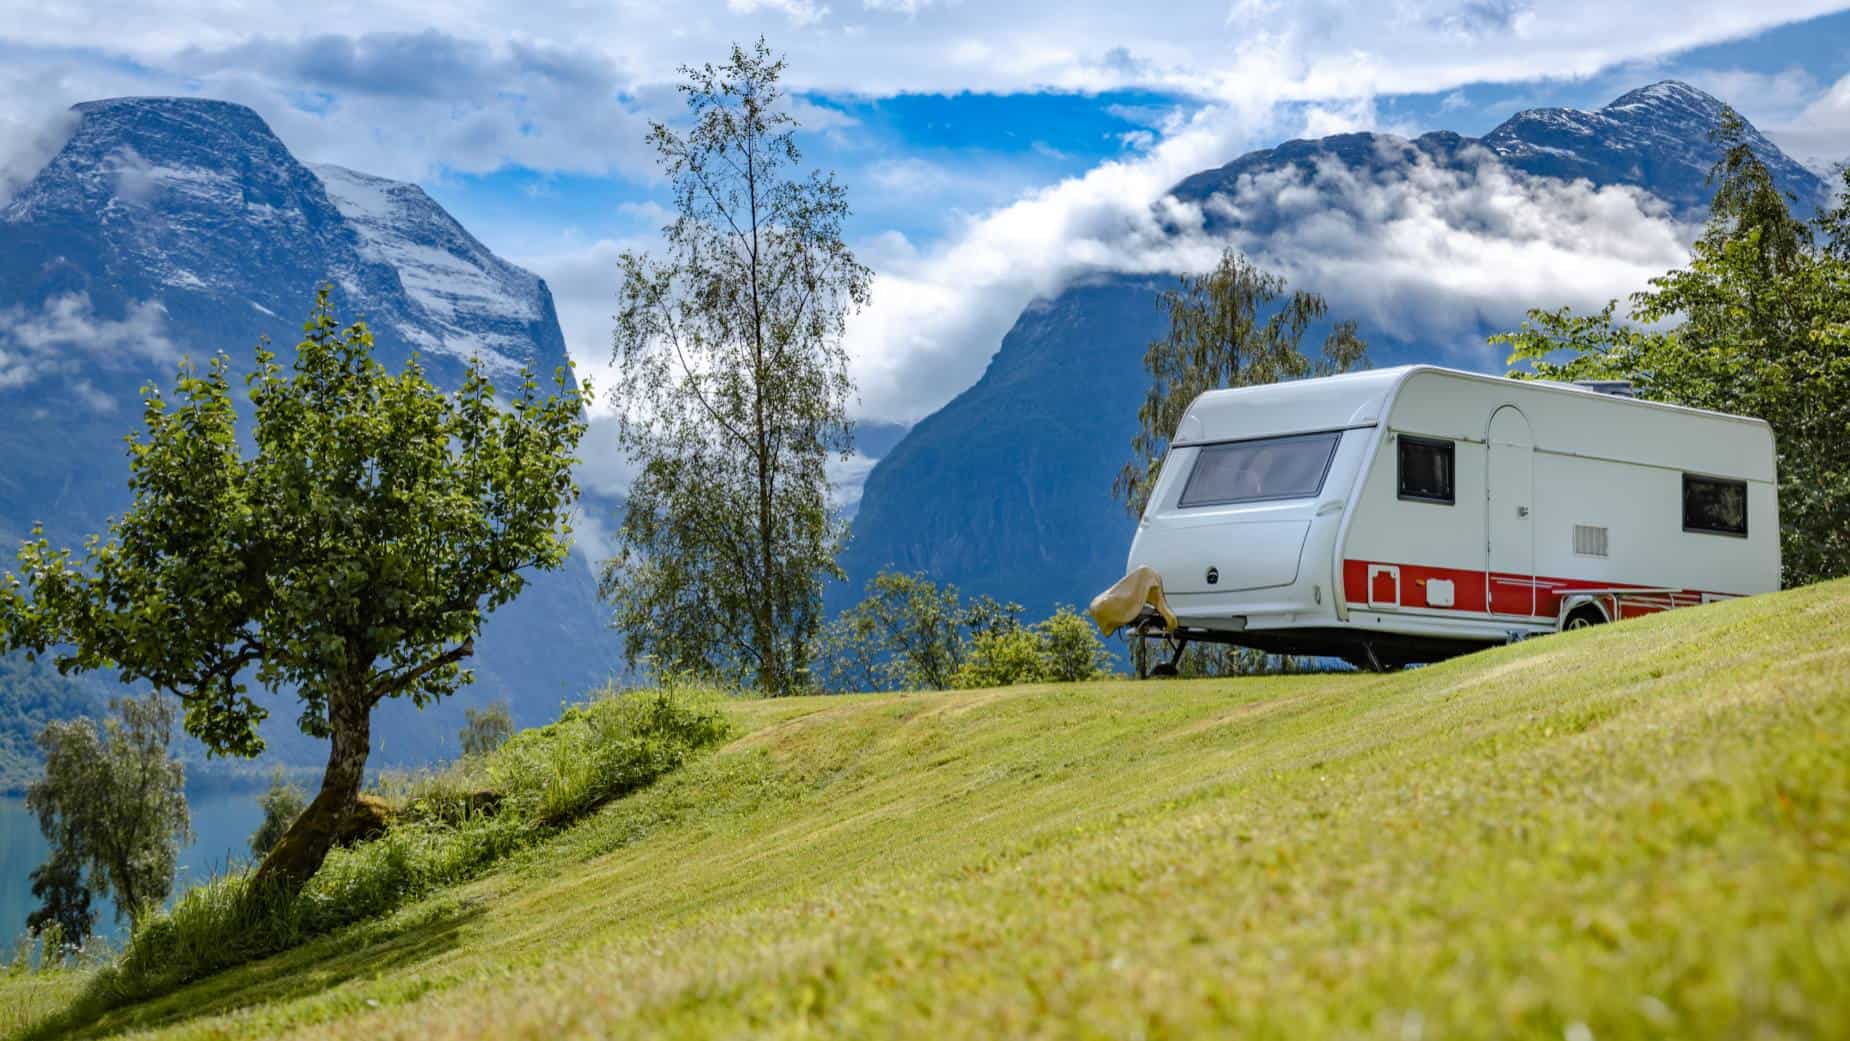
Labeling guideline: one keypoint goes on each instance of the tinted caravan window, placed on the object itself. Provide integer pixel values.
(1251, 471)
(1426, 470)
(1714, 505)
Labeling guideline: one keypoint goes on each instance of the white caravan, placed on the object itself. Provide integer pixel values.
(1403, 515)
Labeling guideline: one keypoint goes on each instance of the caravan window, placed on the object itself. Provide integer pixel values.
(1426, 470)
(1251, 471)
(1714, 505)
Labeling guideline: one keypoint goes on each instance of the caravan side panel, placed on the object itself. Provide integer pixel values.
(1606, 506)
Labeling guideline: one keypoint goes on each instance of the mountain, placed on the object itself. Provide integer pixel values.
(171, 227)
(1006, 489)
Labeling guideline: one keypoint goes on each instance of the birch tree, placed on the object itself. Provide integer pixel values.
(733, 391)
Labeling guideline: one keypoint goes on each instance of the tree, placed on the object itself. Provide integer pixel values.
(1757, 324)
(1234, 326)
(486, 730)
(350, 558)
(733, 392)
(907, 633)
(282, 803)
(112, 804)
(1070, 648)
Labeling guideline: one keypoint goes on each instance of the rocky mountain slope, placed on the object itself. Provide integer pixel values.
(1006, 490)
(178, 227)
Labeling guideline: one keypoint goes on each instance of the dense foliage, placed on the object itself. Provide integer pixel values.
(907, 633)
(1235, 326)
(112, 805)
(732, 392)
(1063, 648)
(1757, 324)
(350, 558)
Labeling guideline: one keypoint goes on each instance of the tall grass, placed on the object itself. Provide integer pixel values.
(538, 782)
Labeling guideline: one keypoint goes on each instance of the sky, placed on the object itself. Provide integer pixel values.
(992, 152)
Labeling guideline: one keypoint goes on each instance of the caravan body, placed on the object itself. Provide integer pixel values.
(1407, 514)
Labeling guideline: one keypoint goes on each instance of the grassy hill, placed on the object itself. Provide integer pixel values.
(1641, 830)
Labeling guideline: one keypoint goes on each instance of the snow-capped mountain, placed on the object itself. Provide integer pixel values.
(1006, 490)
(179, 227)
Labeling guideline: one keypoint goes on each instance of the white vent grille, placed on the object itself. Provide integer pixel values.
(1589, 540)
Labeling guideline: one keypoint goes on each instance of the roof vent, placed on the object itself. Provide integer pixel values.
(1617, 388)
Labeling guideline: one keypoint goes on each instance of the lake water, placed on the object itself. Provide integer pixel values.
(222, 826)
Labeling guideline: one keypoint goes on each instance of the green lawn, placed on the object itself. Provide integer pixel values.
(1638, 831)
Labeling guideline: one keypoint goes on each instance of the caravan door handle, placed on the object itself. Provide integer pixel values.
(1522, 511)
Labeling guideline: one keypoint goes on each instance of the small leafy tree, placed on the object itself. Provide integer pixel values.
(112, 804)
(350, 558)
(486, 729)
(1757, 324)
(281, 803)
(733, 392)
(907, 633)
(1235, 326)
(1071, 650)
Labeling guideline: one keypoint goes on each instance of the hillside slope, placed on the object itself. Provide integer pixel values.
(1640, 830)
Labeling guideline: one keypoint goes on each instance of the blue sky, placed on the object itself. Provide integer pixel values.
(992, 152)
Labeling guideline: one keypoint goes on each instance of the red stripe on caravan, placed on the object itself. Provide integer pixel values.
(1509, 594)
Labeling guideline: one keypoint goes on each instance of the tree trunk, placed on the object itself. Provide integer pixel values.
(298, 854)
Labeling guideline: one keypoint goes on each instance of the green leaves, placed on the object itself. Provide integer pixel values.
(1755, 325)
(355, 551)
(1235, 326)
(732, 392)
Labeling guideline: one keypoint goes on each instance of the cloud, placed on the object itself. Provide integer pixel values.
(1431, 253)
(1819, 135)
(65, 337)
(30, 136)
(798, 12)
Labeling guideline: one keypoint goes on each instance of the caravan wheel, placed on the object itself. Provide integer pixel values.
(1584, 618)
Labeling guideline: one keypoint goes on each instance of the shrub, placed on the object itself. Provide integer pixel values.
(1001, 658)
(1071, 650)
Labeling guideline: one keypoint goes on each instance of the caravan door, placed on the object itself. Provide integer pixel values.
(1510, 524)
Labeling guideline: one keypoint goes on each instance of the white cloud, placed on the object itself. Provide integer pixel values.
(65, 337)
(29, 138)
(799, 12)
(1430, 253)
(1819, 135)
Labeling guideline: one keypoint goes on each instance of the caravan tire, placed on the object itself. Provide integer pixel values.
(1584, 618)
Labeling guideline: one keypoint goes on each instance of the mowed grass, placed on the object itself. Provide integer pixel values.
(1642, 830)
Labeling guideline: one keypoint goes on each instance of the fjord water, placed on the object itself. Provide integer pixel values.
(222, 825)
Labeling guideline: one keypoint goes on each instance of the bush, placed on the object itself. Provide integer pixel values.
(1064, 648)
(1002, 658)
(1070, 648)
(544, 779)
